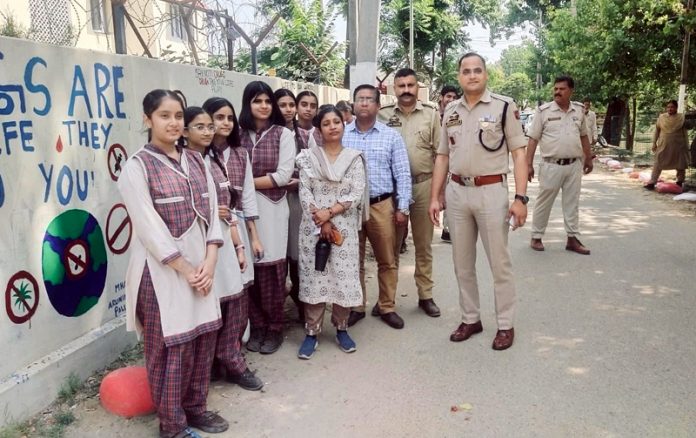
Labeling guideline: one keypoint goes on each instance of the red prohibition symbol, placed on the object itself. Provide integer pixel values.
(117, 223)
(21, 297)
(116, 159)
(76, 259)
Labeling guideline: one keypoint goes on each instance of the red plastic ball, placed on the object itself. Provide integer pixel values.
(126, 392)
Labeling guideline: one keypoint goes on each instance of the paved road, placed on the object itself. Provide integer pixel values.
(604, 345)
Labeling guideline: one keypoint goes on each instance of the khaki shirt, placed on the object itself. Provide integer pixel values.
(466, 130)
(558, 131)
(420, 130)
(591, 126)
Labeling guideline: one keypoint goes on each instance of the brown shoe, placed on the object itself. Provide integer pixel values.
(429, 307)
(375, 310)
(503, 339)
(393, 320)
(573, 244)
(465, 331)
(354, 317)
(536, 245)
(209, 422)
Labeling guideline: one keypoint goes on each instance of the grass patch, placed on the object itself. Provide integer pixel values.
(13, 430)
(67, 391)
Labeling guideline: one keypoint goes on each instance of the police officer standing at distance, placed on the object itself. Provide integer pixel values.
(419, 125)
(478, 132)
(560, 130)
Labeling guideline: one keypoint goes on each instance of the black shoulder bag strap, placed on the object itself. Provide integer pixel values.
(502, 140)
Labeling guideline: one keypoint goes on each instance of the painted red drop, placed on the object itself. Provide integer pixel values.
(59, 144)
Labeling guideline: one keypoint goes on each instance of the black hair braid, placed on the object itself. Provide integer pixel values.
(214, 154)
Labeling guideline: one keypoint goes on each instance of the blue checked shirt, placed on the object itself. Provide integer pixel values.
(387, 160)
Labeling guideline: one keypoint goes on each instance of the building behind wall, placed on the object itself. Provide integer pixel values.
(88, 24)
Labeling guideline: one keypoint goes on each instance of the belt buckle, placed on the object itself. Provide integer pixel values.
(468, 181)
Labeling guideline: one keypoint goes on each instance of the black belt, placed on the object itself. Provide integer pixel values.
(380, 198)
(561, 161)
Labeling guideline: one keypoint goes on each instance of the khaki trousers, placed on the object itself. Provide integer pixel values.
(314, 317)
(475, 211)
(552, 178)
(422, 231)
(381, 232)
(657, 171)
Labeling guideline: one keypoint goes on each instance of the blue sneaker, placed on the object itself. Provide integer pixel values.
(345, 343)
(308, 347)
(186, 433)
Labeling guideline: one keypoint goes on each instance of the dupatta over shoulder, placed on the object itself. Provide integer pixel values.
(321, 167)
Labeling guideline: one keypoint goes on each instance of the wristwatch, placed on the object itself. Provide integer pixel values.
(522, 198)
(404, 211)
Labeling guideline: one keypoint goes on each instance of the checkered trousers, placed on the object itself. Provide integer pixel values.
(267, 296)
(178, 375)
(228, 351)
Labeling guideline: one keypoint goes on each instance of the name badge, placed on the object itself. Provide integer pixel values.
(553, 119)
(394, 121)
(453, 120)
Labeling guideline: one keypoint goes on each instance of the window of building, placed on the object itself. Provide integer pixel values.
(176, 22)
(96, 9)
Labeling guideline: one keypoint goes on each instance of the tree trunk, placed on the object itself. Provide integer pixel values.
(630, 124)
(613, 122)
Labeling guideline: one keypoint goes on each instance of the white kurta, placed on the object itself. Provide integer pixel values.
(228, 276)
(250, 212)
(182, 310)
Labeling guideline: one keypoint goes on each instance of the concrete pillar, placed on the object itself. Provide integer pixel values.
(363, 28)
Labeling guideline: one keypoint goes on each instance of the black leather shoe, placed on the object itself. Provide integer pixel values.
(247, 380)
(273, 341)
(446, 236)
(375, 310)
(393, 320)
(209, 422)
(354, 317)
(429, 307)
(256, 338)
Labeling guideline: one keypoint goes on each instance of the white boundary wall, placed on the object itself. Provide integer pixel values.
(62, 269)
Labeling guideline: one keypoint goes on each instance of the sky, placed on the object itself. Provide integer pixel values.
(477, 33)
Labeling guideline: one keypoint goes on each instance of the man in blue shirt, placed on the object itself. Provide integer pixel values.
(389, 179)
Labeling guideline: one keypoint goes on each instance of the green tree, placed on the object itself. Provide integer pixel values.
(519, 59)
(440, 35)
(305, 23)
(519, 87)
(628, 50)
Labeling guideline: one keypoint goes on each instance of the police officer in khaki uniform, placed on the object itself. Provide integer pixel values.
(419, 125)
(591, 121)
(560, 130)
(478, 132)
